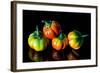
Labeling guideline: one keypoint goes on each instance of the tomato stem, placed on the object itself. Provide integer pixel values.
(37, 30)
(84, 36)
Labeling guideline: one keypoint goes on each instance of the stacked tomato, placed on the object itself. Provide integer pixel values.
(51, 43)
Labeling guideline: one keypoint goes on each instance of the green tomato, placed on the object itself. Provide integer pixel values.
(39, 44)
(36, 41)
(30, 40)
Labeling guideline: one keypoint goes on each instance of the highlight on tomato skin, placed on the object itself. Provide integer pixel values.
(48, 33)
(56, 44)
(51, 28)
(60, 42)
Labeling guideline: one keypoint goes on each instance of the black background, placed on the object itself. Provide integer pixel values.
(68, 21)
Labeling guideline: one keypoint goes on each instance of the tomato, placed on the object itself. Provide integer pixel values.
(51, 29)
(60, 42)
(36, 41)
(75, 39)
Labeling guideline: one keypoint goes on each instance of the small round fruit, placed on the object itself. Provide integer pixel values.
(51, 29)
(75, 39)
(60, 42)
(36, 41)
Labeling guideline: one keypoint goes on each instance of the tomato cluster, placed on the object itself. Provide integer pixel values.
(53, 37)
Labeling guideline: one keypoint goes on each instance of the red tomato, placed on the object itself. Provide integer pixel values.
(51, 29)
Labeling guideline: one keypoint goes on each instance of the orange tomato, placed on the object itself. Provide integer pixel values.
(51, 29)
(56, 44)
(60, 42)
(75, 39)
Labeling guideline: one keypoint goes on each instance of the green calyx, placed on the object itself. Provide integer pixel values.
(61, 36)
(47, 23)
(79, 35)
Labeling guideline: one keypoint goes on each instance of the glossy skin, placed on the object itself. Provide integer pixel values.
(58, 43)
(51, 29)
(75, 39)
(36, 42)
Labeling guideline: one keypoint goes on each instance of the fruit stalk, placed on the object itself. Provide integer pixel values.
(37, 30)
(84, 36)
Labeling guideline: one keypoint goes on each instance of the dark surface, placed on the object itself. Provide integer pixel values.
(69, 21)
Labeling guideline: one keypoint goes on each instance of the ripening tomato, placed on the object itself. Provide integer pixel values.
(51, 29)
(75, 39)
(36, 41)
(60, 42)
